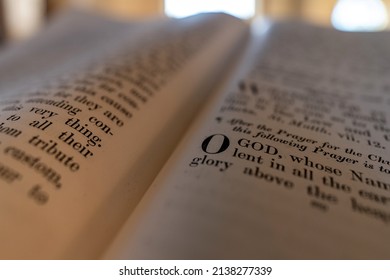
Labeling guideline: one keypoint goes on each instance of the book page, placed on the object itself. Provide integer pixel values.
(69, 39)
(291, 162)
(80, 146)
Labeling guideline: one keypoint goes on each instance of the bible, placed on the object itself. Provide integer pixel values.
(198, 138)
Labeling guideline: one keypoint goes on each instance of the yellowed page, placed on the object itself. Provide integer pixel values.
(79, 148)
(291, 162)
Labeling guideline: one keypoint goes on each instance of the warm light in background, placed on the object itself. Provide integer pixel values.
(182, 8)
(23, 17)
(359, 15)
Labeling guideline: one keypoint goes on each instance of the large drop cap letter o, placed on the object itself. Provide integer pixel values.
(215, 144)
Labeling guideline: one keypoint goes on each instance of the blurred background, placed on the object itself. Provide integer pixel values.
(20, 19)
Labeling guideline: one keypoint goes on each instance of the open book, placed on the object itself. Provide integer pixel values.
(196, 138)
